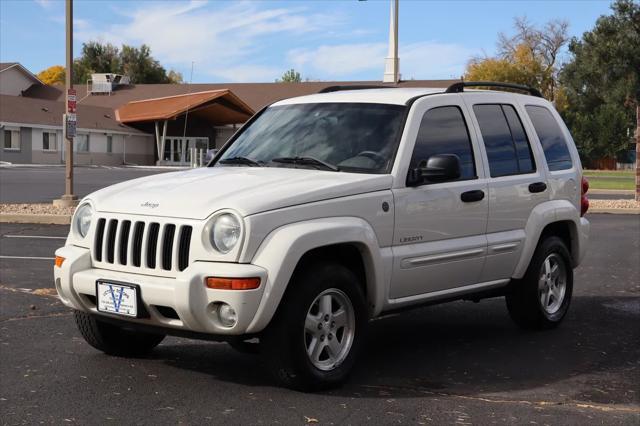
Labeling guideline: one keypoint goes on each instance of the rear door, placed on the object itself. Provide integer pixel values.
(439, 239)
(516, 181)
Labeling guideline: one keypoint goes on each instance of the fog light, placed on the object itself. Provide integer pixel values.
(227, 315)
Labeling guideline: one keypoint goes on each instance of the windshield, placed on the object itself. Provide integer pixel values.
(351, 137)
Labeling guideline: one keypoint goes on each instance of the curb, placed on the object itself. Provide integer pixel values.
(49, 219)
(615, 211)
(612, 191)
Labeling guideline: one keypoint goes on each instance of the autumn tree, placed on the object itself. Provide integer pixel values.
(529, 57)
(602, 82)
(290, 76)
(52, 75)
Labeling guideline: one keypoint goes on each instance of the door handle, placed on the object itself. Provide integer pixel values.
(537, 187)
(471, 196)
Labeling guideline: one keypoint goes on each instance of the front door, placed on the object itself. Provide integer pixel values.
(439, 238)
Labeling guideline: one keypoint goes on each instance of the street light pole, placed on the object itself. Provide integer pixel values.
(69, 119)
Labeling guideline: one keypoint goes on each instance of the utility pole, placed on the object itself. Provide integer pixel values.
(392, 62)
(637, 148)
(69, 119)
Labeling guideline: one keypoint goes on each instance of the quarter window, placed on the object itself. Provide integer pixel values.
(551, 138)
(443, 131)
(504, 139)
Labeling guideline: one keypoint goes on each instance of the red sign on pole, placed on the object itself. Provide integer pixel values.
(71, 101)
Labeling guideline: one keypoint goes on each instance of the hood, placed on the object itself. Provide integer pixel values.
(196, 194)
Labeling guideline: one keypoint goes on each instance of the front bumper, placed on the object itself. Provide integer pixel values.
(186, 294)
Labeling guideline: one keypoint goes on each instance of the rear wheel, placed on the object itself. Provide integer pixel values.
(541, 299)
(114, 340)
(313, 340)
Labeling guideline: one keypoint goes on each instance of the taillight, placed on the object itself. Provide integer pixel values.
(584, 201)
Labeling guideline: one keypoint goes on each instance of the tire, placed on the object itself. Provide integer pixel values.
(541, 299)
(114, 340)
(305, 320)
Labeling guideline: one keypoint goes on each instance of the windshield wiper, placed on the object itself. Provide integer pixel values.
(240, 160)
(309, 161)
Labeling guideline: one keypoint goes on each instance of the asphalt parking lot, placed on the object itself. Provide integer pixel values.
(460, 363)
(41, 184)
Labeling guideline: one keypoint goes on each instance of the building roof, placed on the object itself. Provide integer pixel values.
(398, 96)
(4, 66)
(219, 107)
(19, 109)
(255, 95)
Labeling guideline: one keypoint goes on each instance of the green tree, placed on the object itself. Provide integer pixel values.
(290, 76)
(529, 57)
(52, 75)
(134, 62)
(602, 83)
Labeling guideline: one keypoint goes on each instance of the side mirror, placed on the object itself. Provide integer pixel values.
(438, 168)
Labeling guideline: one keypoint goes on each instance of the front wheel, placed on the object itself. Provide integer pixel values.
(313, 340)
(541, 299)
(114, 340)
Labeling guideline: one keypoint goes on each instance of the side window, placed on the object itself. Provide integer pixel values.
(444, 131)
(506, 143)
(551, 138)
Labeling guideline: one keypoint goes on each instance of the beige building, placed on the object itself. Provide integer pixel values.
(144, 124)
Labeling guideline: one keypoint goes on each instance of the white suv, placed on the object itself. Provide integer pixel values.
(328, 210)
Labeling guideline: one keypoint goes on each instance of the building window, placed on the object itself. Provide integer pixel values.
(109, 144)
(82, 143)
(49, 142)
(12, 140)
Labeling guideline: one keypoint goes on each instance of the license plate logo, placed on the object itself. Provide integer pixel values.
(117, 299)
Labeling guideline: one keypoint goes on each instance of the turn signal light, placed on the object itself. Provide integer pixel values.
(59, 261)
(218, 283)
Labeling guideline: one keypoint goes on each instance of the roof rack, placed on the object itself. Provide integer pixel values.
(353, 87)
(459, 87)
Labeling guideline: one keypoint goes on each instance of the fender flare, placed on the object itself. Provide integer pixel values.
(282, 249)
(541, 216)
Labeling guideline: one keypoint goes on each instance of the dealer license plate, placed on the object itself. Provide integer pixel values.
(120, 299)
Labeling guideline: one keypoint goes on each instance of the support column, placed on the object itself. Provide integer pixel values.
(392, 62)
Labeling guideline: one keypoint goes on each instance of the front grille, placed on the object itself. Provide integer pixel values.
(141, 244)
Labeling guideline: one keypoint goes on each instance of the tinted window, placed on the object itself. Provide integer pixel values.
(355, 137)
(526, 163)
(444, 131)
(551, 138)
(504, 139)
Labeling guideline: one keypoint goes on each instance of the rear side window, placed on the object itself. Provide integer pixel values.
(444, 131)
(551, 138)
(505, 141)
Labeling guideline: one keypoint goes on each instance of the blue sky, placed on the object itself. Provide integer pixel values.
(248, 41)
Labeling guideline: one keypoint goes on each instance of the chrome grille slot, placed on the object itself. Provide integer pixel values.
(111, 240)
(152, 244)
(183, 248)
(167, 246)
(138, 233)
(147, 246)
(124, 241)
(97, 247)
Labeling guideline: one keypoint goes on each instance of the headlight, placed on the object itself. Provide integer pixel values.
(82, 219)
(225, 233)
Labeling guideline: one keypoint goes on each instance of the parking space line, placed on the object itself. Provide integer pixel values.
(48, 237)
(27, 257)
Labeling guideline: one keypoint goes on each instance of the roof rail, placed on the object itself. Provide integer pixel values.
(353, 87)
(459, 87)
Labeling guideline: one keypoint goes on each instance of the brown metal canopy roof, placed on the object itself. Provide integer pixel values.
(217, 106)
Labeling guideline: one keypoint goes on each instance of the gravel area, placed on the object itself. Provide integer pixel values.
(35, 209)
(614, 204)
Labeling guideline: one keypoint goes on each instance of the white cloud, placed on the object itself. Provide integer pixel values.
(421, 60)
(220, 41)
(43, 3)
